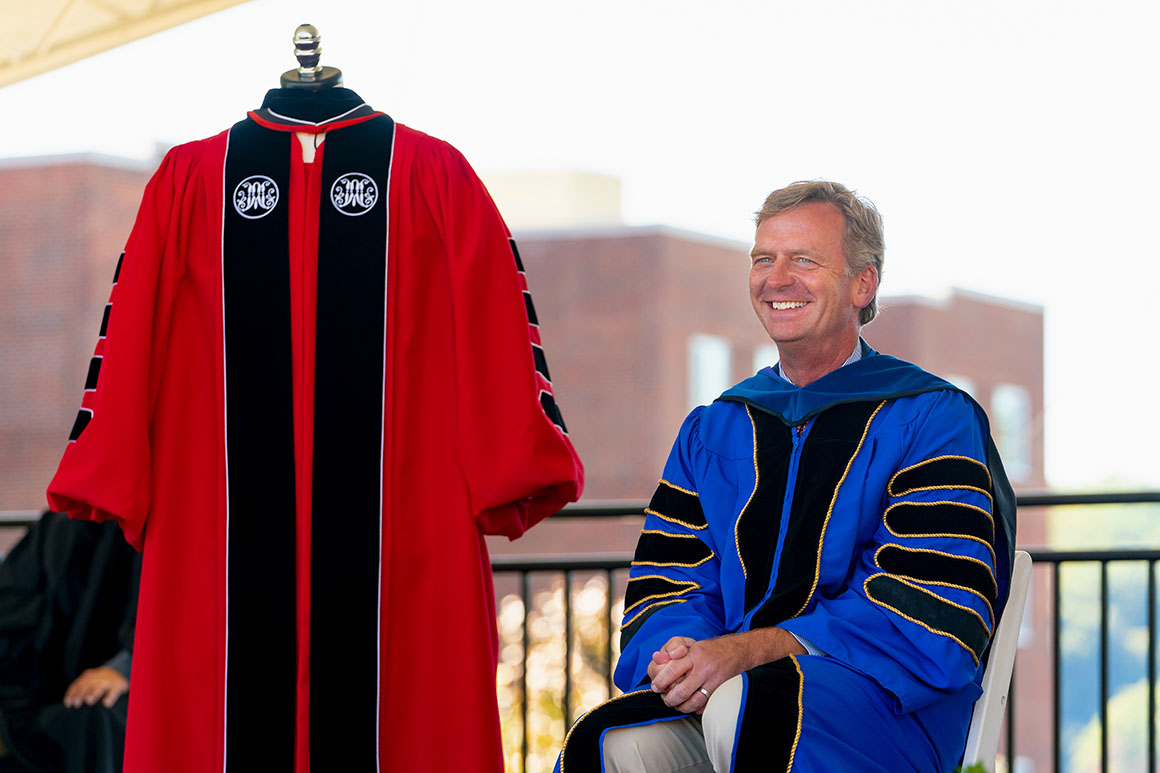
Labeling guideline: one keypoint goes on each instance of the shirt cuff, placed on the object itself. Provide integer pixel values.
(122, 662)
(810, 648)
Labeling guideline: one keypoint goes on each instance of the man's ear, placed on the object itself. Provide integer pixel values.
(865, 286)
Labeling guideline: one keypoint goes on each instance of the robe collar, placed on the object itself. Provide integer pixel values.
(297, 110)
(874, 377)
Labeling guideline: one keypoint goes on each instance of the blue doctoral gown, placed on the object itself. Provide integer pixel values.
(867, 513)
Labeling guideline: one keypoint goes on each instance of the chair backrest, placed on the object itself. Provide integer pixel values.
(987, 720)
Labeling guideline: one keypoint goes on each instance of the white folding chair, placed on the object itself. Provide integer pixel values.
(987, 720)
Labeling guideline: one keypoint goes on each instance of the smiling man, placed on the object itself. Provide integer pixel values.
(809, 298)
(828, 550)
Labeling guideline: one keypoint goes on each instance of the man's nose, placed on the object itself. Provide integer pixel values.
(779, 274)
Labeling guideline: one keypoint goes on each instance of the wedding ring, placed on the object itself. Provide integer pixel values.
(704, 692)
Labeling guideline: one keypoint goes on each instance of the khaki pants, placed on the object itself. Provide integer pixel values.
(690, 745)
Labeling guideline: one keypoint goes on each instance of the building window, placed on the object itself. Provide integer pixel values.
(765, 356)
(709, 368)
(1011, 425)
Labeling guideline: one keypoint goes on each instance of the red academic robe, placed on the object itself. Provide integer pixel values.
(317, 386)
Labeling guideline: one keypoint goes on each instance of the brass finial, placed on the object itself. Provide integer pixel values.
(310, 74)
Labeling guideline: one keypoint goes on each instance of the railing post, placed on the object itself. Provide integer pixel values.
(1056, 625)
(567, 650)
(1104, 666)
(526, 596)
(1152, 665)
(608, 630)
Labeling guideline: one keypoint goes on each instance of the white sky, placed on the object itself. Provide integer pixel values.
(1011, 145)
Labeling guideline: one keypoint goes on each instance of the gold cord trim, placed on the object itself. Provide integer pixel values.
(798, 733)
(890, 486)
(689, 586)
(756, 481)
(670, 519)
(678, 488)
(942, 535)
(990, 570)
(665, 603)
(674, 563)
(568, 735)
(987, 494)
(941, 584)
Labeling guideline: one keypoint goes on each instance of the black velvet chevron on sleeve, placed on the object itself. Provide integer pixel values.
(925, 519)
(660, 548)
(931, 612)
(931, 566)
(651, 587)
(678, 505)
(941, 472)
(629, 629)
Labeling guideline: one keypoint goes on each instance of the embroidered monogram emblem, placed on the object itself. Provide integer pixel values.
(354, 193)
(255, 197)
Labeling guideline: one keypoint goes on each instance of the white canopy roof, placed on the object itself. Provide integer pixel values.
(46, 34)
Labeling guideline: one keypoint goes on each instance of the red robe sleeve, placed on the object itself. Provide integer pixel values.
(105, 472)
(515, 453)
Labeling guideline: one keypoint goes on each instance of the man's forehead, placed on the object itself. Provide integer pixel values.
(812, 223)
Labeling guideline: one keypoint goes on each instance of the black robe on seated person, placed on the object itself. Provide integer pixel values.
(68, 602)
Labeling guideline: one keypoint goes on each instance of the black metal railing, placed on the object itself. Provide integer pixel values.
(18, 518)
(1053, 563)
(559, 575)
(1050, 564)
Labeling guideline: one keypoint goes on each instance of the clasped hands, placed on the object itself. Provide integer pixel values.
(683, 667)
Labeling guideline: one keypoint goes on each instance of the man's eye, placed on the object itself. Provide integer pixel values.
(804, 259)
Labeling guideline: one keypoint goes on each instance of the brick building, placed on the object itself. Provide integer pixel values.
(989, 346)
(63, 221)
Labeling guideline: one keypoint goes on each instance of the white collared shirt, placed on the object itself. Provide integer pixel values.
(854, 357)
